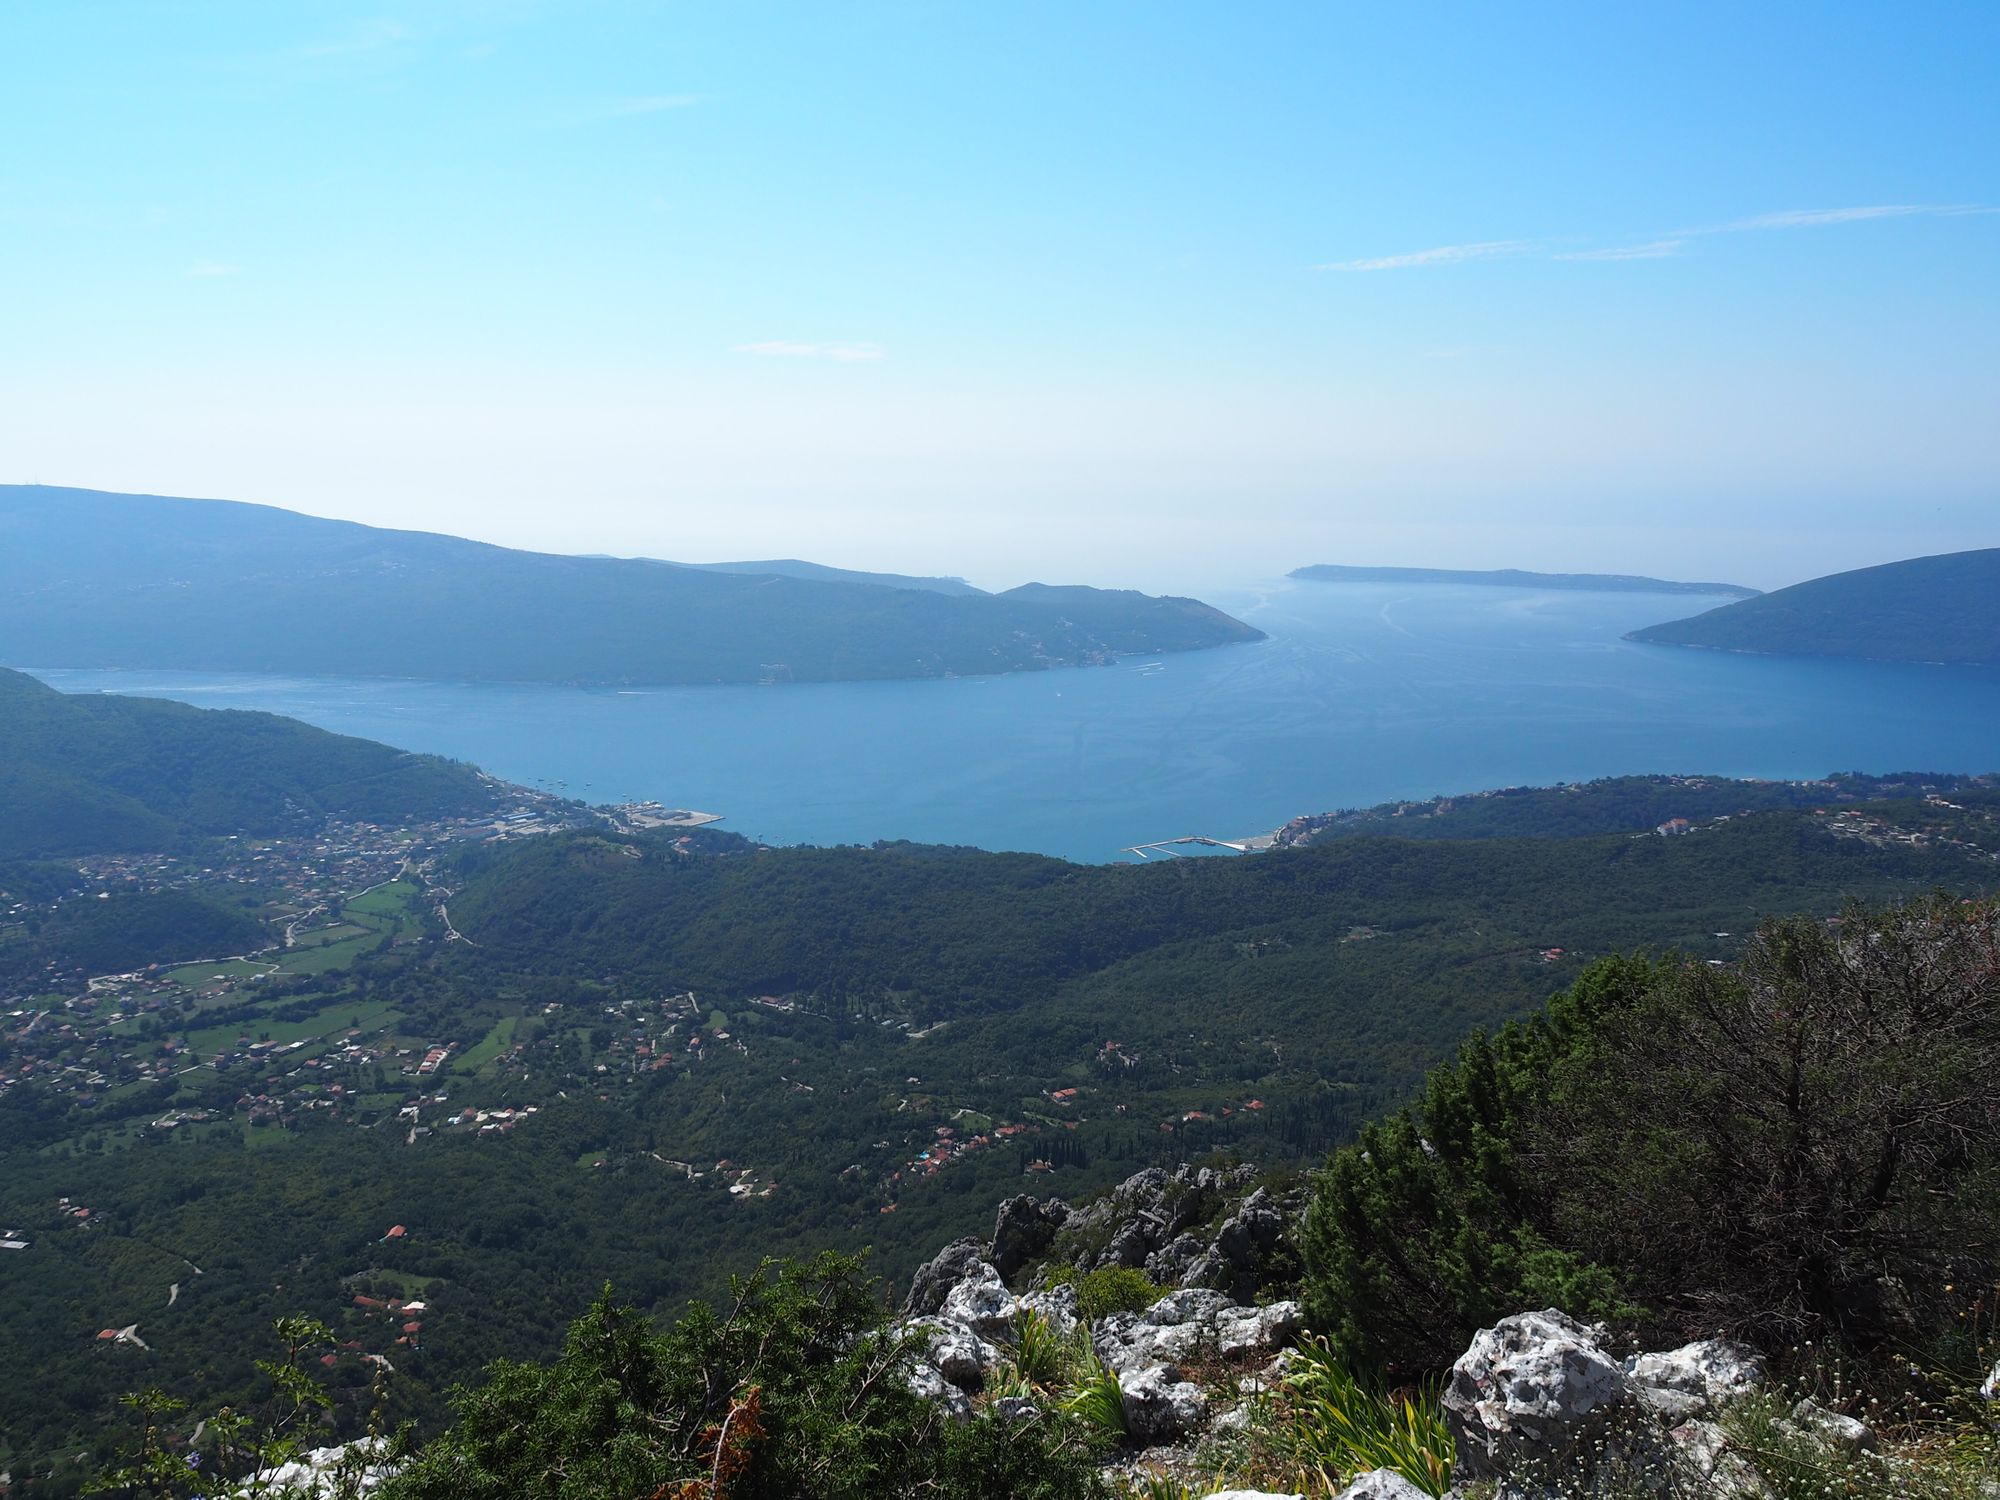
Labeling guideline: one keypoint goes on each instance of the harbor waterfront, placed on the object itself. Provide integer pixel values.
(1363, 694)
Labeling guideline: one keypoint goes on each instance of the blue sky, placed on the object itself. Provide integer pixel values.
(1156, 294)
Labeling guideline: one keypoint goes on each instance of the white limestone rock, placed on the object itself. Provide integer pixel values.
(924, 1380)
(1160, 1408)
(1831, 1428)
(1254, 1330)
(1530, 1391)
(980, 1301)
(1381, 1484)
(1057, 1307)
(1695, 1380)
(955, 1351)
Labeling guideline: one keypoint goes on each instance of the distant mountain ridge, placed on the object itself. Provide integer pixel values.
(93, 579)
(1606, 583)
(792, 567)
(1944, 608)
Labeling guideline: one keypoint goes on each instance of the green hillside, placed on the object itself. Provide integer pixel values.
(97, 774)
(1265, 1006)
(89, 579)
(1929, 609)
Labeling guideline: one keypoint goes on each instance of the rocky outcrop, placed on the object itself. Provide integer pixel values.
(1191, 1324)
(321, 1473)
(1159, 1407)
(1530, 1395)
(980, 1302)
(1155, 1221)
(1539, 1408)
(955, 1351)
(940, 1274)
(1696, 1380)
(964, 1317)
(1023, 1231)
(1381, 1484)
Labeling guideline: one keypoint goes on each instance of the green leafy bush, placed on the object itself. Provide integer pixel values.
(1107, 1290)
(795, 1390)
(1801, 1146)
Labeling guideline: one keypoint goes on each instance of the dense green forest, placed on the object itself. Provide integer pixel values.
(129, 929)
(1628, 804)
(97, 774)
(90, 579)
(1930, 609)
(778, 1011)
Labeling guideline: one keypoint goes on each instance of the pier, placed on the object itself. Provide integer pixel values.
(1166, 848)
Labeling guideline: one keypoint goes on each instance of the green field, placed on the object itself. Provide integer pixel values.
(332, 956)
(336, 1015)
(200, 976)
(490, 1046)
(391, 908)
(323, 936)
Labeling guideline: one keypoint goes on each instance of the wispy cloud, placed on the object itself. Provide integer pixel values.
(623, 109)
(1669, 245)
(212, 268)
(1653, 250)
(1441, 255)
(846, 354)
(356, 39)
(1814, 218)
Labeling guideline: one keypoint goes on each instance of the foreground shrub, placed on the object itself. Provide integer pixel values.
(1107, 1290)
(1803, 1147)
(1334, 1426)
(796, 1390)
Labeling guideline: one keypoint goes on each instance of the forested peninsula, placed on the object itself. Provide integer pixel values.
(1925, 609)
(92, 579)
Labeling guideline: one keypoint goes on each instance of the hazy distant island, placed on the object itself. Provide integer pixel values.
(1930, 609)
(792, 567)
(1516, 578)
(92, 579)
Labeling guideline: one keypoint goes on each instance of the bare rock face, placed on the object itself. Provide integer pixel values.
(1991, 1390)
(1168, 1264)
(1532, 1395)
(1024, 1229)
(955, 1351)
(940, 1274)
(1057, 1306)
(925, 1381)
(1831, 1428)
(1159, 1407)
(980, 1301)
(1381, 1484)
(1695, 1380)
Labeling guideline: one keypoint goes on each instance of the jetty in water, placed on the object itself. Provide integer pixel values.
(1168, 848)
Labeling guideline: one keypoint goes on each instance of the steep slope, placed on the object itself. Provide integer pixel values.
(1933, 609)
(83, 775)
(1600, 583)
(94, 579)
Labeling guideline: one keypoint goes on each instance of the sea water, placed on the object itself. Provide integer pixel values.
(1364, 693)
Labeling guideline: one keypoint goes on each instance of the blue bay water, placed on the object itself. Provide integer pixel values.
(1363, 694)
